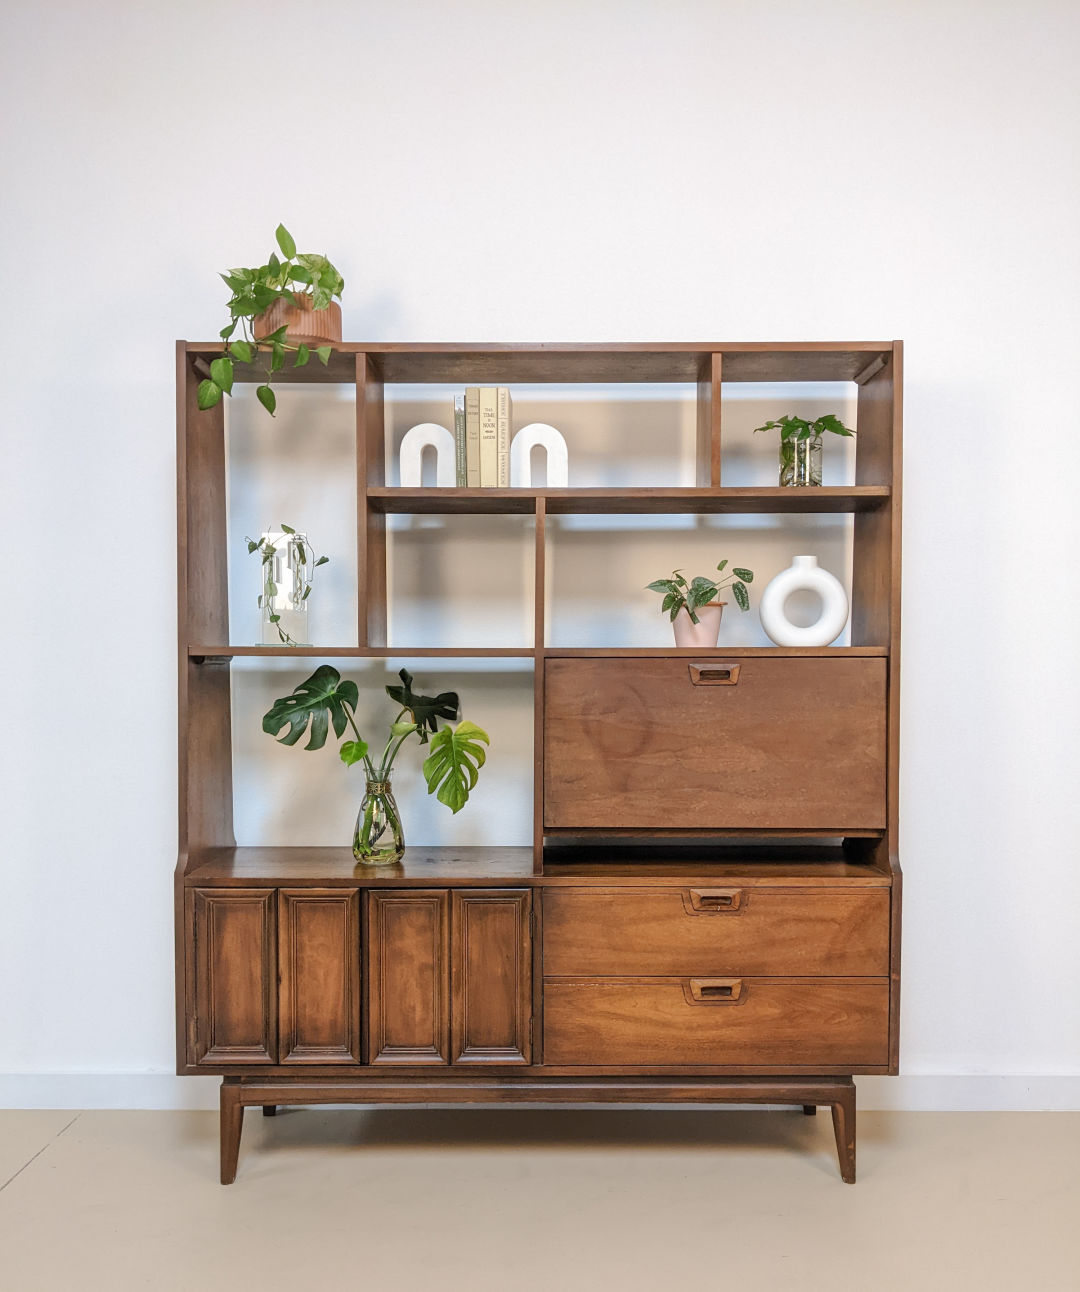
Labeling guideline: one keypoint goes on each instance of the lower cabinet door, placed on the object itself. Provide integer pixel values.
(810, 1023)
(408, 976)
(319, 975)
(491, 1009)
(235, 987)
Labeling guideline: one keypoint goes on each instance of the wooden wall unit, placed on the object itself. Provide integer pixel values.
(624, 956)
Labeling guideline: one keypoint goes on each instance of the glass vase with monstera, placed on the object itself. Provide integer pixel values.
(451, 768)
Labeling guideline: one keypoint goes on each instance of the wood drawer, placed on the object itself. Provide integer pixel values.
(716, 929)
(782, 1022)
(790, 744)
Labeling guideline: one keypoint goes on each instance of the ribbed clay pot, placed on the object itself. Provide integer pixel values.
(305, 325)
(703, 634)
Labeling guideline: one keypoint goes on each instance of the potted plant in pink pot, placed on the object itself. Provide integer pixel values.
(694, 608)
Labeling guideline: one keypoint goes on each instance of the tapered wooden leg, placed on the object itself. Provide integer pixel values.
(809, 1110)
(843, 1119)
(232, 1123)
(269, 1110)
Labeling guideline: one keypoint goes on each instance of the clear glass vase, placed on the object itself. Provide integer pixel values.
(378, 840)
(800, 461)
(286, 581)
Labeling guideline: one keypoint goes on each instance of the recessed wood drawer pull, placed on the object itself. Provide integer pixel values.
(717, 991)
(714, 674)
(714, 901)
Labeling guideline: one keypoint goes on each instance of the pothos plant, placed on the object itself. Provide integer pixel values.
(253, 293)
(308, 563)
(451, 769)
(699, 591)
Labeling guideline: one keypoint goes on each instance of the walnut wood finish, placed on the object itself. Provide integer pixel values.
(388, 975)
(838, 1093)
(319, 973)
(491, 977)
(407, 969)
(712, 930)
(806, 1022)
(623, 746)
(235, 980)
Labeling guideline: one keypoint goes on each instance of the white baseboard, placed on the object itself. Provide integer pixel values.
(915, 1093)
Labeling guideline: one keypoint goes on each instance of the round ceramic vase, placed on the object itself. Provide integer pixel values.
(804, 573)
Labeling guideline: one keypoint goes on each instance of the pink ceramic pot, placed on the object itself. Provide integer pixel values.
(702, 634)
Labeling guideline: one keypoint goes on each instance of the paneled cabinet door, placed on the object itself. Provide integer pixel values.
(408, 976)
(235, 988)
(319, 975)
(491, 976)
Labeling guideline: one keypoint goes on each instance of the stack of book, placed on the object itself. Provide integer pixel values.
(482, 437)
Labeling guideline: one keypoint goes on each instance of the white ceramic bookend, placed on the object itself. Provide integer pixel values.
(558, 464)
(804, 573)
(414, 442)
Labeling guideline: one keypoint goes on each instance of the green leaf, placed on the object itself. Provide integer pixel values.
(741, 595)
(402, 728)
(301, 552)
(320, 699)
(320, 297)
(277, 335)
(208, 394)
(300, 274)
(747, 576)
(661, 585)
(453, 766)
(227, 332)
(267, 398)
(277, 357)
(426, 710)
(352, 751)
(252, 546)
(221, 372)
(285, 242)
(307, 593)
(271, 588)
(321, 561)
(303, 354)
(830, 422)
(242, 351)
(275, 619)
(722, 564)
(324, 352)
(287, 529)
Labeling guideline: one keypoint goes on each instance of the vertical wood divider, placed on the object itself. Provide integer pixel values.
(370, 524)
(708, 424)
(539, 641)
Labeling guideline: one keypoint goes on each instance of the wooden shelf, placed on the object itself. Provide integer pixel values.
(361, 652)
(476, 867)
(202, 652)
(503, 364)
(434, 501)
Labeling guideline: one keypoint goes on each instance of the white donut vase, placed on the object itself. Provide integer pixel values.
(804, 573)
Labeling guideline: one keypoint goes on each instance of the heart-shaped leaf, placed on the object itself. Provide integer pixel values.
(453, 766)
(352, 751)
(267, 398)
(320, 700)
(208, 394)
(426, 710)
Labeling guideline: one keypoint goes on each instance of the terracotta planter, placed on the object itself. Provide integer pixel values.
(306, 326)
(703, 634)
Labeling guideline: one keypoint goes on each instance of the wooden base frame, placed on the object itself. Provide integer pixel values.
(838, 1093)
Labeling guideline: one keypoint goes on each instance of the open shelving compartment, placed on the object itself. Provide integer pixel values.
(862, 516)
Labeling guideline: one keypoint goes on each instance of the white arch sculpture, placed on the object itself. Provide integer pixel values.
(414, 442)
(558, 464)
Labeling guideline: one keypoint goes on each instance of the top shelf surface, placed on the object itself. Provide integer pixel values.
(502, 364)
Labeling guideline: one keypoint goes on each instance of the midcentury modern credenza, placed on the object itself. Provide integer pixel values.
(626, 956)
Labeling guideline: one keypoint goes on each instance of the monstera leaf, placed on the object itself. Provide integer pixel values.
(425, 709)
(320, 700)
(453, 766)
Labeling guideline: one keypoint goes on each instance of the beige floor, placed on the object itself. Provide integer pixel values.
(565, 1200)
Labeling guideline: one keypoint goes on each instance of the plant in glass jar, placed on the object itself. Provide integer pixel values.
(288, 565)
(282, 306)
(800, 446)
(692, 606)
(451, 769)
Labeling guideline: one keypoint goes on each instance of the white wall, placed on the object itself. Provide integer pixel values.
(571, 171)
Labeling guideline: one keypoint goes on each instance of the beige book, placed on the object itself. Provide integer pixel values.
(489, 437)
(472, 437)
(503, 445)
